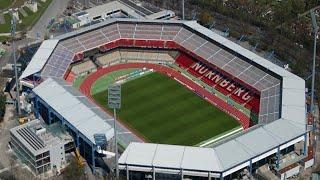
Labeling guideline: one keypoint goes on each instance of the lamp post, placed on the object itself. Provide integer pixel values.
(315, 28)
(182, 9)
(114, 102)
(13, 33)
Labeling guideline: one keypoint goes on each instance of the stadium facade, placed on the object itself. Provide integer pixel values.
(274, 97)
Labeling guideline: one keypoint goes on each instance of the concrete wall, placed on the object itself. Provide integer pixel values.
(290, 173)
(57, 156)
(309, 163)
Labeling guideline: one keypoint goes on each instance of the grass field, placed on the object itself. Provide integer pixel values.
(163, 111)
(27, 22)
(5, 3)
(103, 82)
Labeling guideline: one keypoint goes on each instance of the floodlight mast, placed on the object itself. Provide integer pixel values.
(182, 9)
(115, 142)
(13, 33)
(114, 102)
(315, 28)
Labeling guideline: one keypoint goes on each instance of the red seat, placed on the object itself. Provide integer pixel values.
(125, 42)
(170, 45)
(78, 57)
(238, 99)
(253, 104)
(69, 76)
(184, 61)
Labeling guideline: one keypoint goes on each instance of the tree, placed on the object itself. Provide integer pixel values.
(205, 18)
(73, 171)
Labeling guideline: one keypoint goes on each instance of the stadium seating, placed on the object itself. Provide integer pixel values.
(83, 67)
(69, 76)
(78, 57)
(184, 61)
(253, 104)
(221, 83)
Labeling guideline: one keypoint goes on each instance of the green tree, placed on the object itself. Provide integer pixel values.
(205, 18)
(73, 171)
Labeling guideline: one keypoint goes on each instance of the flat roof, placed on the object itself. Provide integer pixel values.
(112, 7)
(40, 57)
(57, 95)
(35, 143)
(160, 14)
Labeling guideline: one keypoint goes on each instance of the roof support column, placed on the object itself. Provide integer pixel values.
(127, 172)
(209, 175)
(63, 123)
(36, 107)
(305, 149)
(49, 115)
(153, 173)
(278, 157)
(93, 159)
(221, 177)
(250, 169)
(181, 173)
(77, 140)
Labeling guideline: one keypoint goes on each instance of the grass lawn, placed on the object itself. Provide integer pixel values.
(28, 21)
(5, 28)
(103, 82)
(3, 38)
(32, 18)
(77, 82)
(164, 111)
(5, 4)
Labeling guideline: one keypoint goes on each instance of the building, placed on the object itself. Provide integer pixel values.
(118, 9)
(114, 9)
(164, 15)
(39, 148)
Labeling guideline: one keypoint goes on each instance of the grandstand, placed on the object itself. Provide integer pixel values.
(127, 55)
(239, 75)
(82, 68)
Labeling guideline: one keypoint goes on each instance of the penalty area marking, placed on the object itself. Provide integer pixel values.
(215, 139)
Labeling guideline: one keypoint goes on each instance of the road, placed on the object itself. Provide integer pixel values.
(55, 9)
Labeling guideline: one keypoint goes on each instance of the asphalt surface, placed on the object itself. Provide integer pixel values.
(141, 9)
(55, 9)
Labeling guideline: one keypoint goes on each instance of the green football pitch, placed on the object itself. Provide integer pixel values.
(163, 111)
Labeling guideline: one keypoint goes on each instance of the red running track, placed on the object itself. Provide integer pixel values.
(244, 120)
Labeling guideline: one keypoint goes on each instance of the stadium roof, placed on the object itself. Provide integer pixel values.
(58, 96)
(40, 58)
(227, 157)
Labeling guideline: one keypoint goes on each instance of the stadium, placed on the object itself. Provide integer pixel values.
(194, 104)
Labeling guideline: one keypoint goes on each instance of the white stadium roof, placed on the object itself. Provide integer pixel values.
(40, 58)
(285, 128)
(57, 95)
